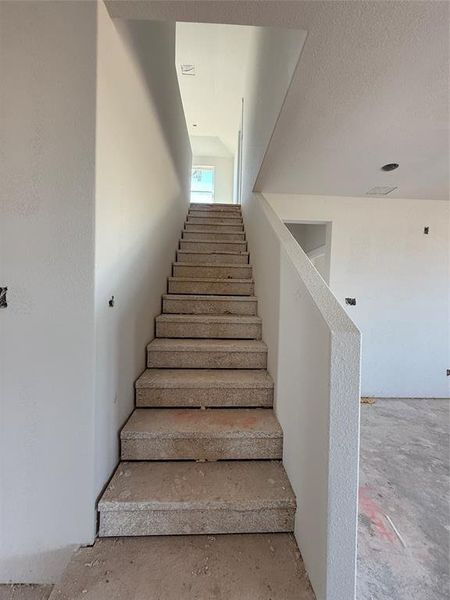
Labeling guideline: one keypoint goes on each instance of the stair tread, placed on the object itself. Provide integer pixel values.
(216, 241)
(233, 423)
(211, 279)
(210, 298)
(215, 214)
(193, 230)
(222, 209)
(205, 345)
(180, 263)
(223, 485)
(213, 221)
(205, 378)
(181, 318)
(224, 252)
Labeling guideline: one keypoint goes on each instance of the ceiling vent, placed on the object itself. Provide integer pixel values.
(380, 190)
(187, 69)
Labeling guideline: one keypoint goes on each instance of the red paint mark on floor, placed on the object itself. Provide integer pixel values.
(374, 513)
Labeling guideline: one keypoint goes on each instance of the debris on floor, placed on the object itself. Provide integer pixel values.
(368, 400)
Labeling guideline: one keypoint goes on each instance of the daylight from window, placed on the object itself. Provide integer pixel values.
(202, 184)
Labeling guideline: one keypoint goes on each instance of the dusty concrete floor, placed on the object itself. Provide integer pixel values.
(25, 592)
(404, 485)
(221, 567)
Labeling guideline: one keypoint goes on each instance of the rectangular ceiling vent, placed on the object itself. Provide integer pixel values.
(187, 69)
(380, 190)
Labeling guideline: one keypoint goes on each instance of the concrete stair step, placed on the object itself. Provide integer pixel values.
(206, 257)
(209, 236)
(194, 434)
(221, 207)
(211, 220)
(215, 214)
(205, 285)
(209, 305)
(203, 387)
(170, 498)
(216, 227)
(211, 270)
(208, 326)
(212, 246)
(206, 354)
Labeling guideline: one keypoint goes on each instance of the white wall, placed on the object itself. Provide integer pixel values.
(95, 186)
(399, 276)
(143, 178)
(47, 174)
(314, 361)
(273, 57)
(224, 174)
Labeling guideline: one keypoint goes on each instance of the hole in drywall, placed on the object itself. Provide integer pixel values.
(3, 302)
(351, 301)
(426, 230)
(390, 167)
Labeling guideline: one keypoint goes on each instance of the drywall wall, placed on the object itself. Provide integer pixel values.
(47, 145)
(399, 277)
(272, 58)
(224, 175)
(314, 359)
(142, 194)
(95, 186)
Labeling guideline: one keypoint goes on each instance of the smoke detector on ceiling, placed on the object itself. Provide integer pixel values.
(187, 69)
(380, 190)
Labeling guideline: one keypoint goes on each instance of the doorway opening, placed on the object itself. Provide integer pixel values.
(315, 240)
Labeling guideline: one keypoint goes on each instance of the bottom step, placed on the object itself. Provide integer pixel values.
(224, 567)
(174, 498)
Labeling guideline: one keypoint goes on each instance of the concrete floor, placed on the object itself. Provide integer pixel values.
(25, 592)
(404, 486)
(221, 567)
(403, 532)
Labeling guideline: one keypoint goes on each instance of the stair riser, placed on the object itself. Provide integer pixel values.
(206, 360)
(213, 272)
(196, 522)
(209, 307)
(214, 228)
(202, 449)
(214, 214)
(214, 221)
(197, 246)
(247, 331)
(212, 259)
(219, 288)
(209, 236)
(208, 397)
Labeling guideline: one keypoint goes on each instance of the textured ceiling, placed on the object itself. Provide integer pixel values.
(371, 87)
(212, 97)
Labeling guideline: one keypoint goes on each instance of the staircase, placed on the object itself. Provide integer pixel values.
(201, 453)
